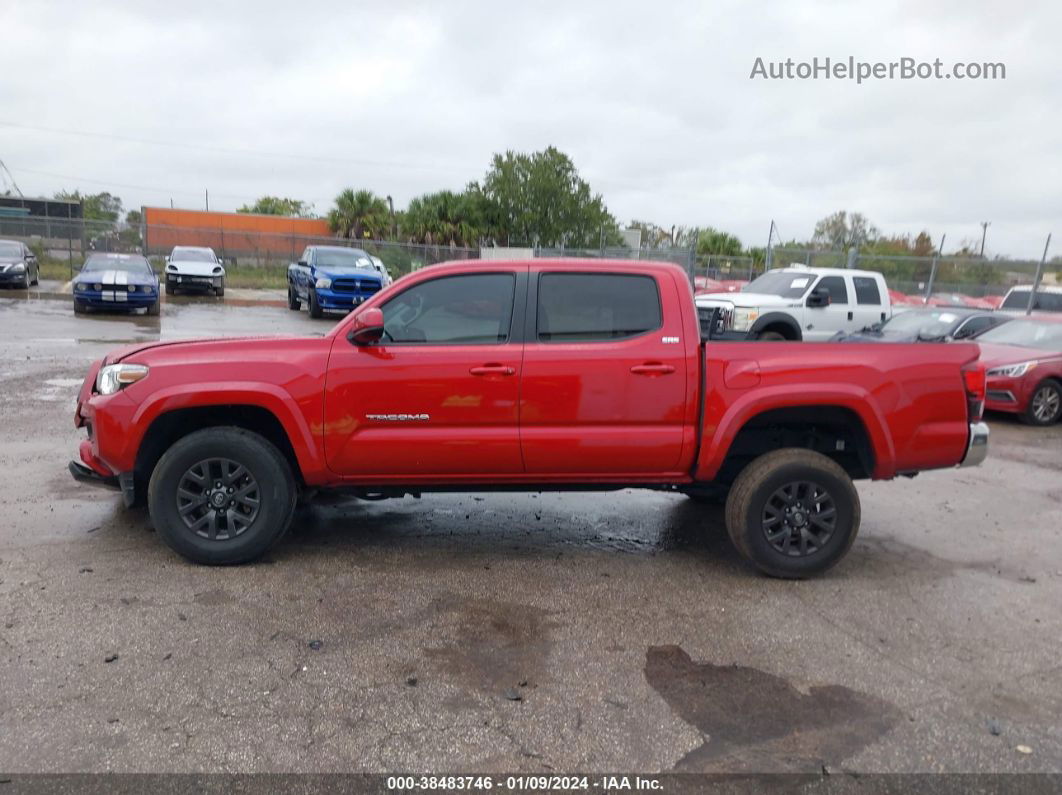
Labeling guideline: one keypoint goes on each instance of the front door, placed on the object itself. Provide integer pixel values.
(822, 322)
(437, 396)
(604, 379)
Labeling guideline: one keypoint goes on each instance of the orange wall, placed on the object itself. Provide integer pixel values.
(231, 233)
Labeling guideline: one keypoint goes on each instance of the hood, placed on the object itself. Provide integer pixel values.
(235, 349)
(5, 261)
(749, 300)
(192, 268)
(997, 355)
(110, 278)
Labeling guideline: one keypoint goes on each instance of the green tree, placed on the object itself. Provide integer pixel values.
(713, 241)
(360, 214)
(541, 200)
(279, 205)
(843, 229)
(445, 218)
(95, 206)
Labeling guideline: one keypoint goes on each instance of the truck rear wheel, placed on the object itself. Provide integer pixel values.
(221, 496)
(793, 513)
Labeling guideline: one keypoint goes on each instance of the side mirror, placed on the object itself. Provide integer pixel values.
(368, 327)
(302, 262)
(819, 297)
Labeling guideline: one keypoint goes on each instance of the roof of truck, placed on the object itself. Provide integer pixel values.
(824, 271)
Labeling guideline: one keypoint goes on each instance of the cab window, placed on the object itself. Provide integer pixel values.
(469, 309)
(837, 288)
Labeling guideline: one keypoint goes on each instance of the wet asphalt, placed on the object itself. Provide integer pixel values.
(503, 633)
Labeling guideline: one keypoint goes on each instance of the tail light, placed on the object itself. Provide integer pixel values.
(973, 376)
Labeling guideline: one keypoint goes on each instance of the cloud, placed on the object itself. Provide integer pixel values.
(653, 101)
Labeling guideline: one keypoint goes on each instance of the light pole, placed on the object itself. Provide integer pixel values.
(984, 232)
(391, 204)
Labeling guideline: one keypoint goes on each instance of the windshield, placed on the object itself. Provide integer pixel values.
(131, 264)
(1019, 299)
(929, 324)
(193, 255)
(787, 284)
(10, 250)
(1044, 335)
(343, 258)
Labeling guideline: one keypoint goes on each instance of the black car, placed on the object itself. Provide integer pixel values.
(18, 264)
(932, 324)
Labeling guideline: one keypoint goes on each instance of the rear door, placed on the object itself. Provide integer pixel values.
(604, 374)
(869, 302)
(437, 396)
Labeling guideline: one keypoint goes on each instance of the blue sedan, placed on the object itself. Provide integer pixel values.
(116, 281)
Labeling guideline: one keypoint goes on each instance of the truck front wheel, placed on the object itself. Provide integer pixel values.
(222, 495)
(315, 307)
(793, 513)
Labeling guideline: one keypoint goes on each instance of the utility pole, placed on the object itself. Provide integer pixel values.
(391, 204)
(206, 196)
(984, 232)
(933, 270)
(770, 238)
(1039, 278)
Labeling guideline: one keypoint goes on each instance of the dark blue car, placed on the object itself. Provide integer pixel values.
(332, 278)
(116, 281)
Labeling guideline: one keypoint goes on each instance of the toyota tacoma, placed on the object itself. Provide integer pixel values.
(552, 374)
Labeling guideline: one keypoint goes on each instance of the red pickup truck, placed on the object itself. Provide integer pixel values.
(542, 375)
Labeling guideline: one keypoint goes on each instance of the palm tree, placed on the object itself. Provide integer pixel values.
(360, 214)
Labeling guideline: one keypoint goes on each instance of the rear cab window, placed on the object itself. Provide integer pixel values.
(596, 307)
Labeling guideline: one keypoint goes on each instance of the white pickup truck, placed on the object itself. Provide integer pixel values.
(800, 303)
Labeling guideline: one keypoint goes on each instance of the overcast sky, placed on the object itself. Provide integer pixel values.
(652, 100)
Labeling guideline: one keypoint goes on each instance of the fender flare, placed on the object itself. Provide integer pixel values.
(309, 450)
(777, 318)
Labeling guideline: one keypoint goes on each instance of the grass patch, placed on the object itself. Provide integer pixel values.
(265, 277)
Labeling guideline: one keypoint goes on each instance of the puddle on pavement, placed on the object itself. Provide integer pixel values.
(496, 645)
(757, 721)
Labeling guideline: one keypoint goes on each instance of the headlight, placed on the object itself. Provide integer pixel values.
(217, 270)
(81, 286)
(171, 268)
(97, 287)
(1013, 370)
(744, 318)
(116, 376)
(323, 283)
(19, 268)
(132, 288)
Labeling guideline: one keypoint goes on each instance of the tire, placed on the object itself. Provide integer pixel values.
(37, 277)
(220, 292)
(1045, 404)
(155, 308)
(766, 484)
(216, 452)
(315, 308)
(170, 289)
(79, 307)
(294, 304)
(770, 336)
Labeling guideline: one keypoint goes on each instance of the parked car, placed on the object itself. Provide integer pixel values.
(1048, 299)
(800, 303)
(554, 373)
(18, 265)
(384, 273)
(194, 268)
(928, 325)
(333, 279)
(116, 281)
(1023, 361)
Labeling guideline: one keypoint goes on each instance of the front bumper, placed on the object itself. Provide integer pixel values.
(7, 277)
(115, 299)
(194, 282)
(977, 446)
(1006, 394)
(343, 302)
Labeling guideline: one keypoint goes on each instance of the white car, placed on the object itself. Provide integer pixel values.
(1048, 299)
(379, 265)
(194, 268)
(799, 303)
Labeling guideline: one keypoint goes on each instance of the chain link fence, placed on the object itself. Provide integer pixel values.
(944, 279)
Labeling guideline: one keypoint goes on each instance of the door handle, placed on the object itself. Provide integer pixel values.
(492, 369)
(652, 369)
(849, 315)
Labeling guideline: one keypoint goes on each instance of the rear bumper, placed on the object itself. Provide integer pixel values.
(977, 446)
